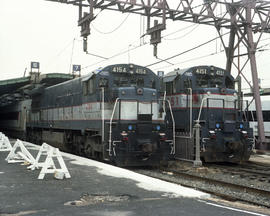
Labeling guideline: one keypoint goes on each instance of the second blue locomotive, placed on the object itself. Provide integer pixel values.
(206, 95)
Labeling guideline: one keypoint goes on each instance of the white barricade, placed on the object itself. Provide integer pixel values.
(16, 156)
(49, 167)
(1, 137)
(4, 143)
(44, 149)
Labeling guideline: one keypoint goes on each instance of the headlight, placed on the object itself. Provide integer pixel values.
(245, 134)
(212, 134)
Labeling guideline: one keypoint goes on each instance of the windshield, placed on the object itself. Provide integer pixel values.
(202, 81)
(129, 110)
(216, 82)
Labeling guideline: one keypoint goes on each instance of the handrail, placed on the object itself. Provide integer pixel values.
(164, 100)
(110, 134)
(198, 120)
(173, 126)
(103, 114)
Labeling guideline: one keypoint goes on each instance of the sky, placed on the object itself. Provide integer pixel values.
(47, 32)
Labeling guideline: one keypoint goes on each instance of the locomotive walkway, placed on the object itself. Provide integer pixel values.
(100, 189)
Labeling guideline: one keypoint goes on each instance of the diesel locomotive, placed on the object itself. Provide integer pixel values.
(115, 113)
(206, 95)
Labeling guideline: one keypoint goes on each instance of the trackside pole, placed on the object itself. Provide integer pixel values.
(197, 161)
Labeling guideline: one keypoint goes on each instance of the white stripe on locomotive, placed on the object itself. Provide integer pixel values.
(181, 101)
(92, 111)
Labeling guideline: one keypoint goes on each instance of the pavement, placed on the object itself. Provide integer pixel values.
(99, 189)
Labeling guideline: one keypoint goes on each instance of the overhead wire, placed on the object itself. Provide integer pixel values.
(182, 36)
(115, 55)
(186, 51)
(259, 49)
(71, 57)
(52, 59)
(110, 32)
(64, 49)
(179, 30)
(135, 47)
(99, 56)
(189, 60)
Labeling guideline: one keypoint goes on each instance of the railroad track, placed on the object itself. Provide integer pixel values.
(256, 168)
(222, 187)
(251, 172)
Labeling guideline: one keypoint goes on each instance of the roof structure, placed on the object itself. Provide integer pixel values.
(17, 89)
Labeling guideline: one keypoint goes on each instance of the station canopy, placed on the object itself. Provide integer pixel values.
(17, 89)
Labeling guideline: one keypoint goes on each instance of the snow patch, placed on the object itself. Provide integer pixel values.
(145, 182)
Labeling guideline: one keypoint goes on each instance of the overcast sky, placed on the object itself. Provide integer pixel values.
(47, 32)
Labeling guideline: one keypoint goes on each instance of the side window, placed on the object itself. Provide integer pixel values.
(266, 116)
(169, 88)
(91, 86)
(103, 82)
(153, 84)
(85, 89)
(176, 84)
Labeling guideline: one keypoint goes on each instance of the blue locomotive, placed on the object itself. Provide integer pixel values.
(206, 95)
(114, 113)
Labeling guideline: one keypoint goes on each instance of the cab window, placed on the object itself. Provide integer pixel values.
(216, 82)
(229, 83)
(202, 81)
